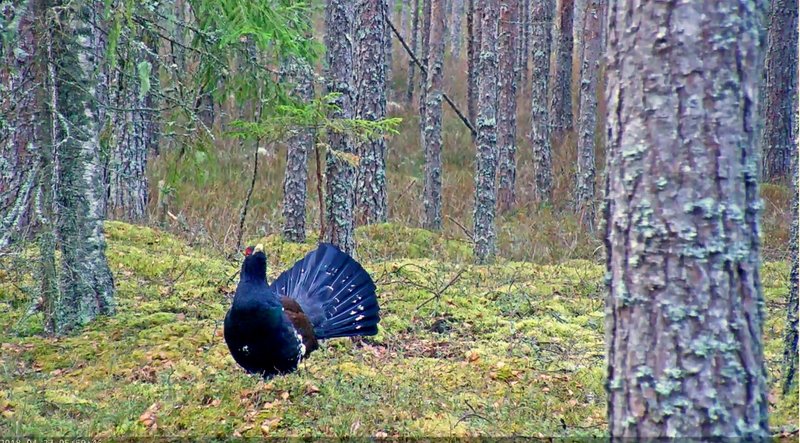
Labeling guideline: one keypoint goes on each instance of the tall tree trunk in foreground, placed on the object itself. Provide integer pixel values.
(339, 171)
(684, 316)
(415, 48)
(298, 146)
(524, 40)
(86, 283)
(541, 24)
(593, 25)
(509, 32)
(432, 123)
(561, 98)
(486, 161)
(371, 77)
(779, 137)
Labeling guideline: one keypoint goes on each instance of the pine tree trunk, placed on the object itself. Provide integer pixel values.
(432, 127)
(456, 23)
(541, 24)
(415, 48)
(593, 26)
(684, 304)
(791, 334)
(486, 161)
(424, 52)
(86, 283)
(371, 79)
(473, 22)
(561, 97)
(509, 30)
(130, 136)
(298, 145)
(339, 172)
(19, 171)
(778, 137)
(525, 36)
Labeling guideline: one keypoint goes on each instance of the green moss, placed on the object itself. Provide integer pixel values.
(463, 350)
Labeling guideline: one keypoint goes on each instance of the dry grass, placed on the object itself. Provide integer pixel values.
(209, 184)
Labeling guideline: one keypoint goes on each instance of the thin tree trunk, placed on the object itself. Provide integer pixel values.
(593, 26)
(432, 127)
(684, 304)
(298, 146)
(415, 49)
(778, 137)
(423, 79)
(560, 111)
(507, 103)
(790, 336)
(371, 79)
(456, 23)
(486, 161)
(339, 172)
(472, 59)
(541, 24)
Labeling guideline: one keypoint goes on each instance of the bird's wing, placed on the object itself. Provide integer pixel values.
(300, 322)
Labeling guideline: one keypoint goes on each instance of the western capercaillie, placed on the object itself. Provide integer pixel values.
(327, 294)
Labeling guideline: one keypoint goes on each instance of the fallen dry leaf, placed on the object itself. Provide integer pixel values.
(381, 434)
(148, 417)
(311, 389)
(285, 395)
(268, 424)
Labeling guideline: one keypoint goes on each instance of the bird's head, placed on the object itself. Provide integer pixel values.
(255, 263)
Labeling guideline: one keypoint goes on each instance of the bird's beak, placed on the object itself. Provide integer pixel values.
(259, 247)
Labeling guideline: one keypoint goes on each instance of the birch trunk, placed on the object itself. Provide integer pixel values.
(684, 305)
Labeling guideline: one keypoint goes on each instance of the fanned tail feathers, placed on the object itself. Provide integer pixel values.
(335, 292)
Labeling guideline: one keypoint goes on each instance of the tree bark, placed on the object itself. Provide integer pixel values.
(778, 137)
(298, 145)
(415, 49)
(541, 24)
(791, 334)
(339, 171)
(684, 303)
(371, 80)
(593, 25)
(525, 38)
(486, 161)
(86, 283)
(423, 78)
(561, 97)
(474, 14)
(19, 171)
(432, 125)
(457, 21)
(509, 30)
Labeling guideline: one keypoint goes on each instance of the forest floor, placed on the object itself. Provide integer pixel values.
(509, 349)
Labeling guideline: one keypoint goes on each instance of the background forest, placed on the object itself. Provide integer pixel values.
(458, 148)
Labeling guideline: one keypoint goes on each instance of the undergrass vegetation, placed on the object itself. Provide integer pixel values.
(508, 349)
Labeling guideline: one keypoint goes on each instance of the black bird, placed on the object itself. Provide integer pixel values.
(327, 294)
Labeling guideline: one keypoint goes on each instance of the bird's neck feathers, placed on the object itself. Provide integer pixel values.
(254, 268)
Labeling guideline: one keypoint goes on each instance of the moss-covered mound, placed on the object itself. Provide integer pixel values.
(509, 349)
